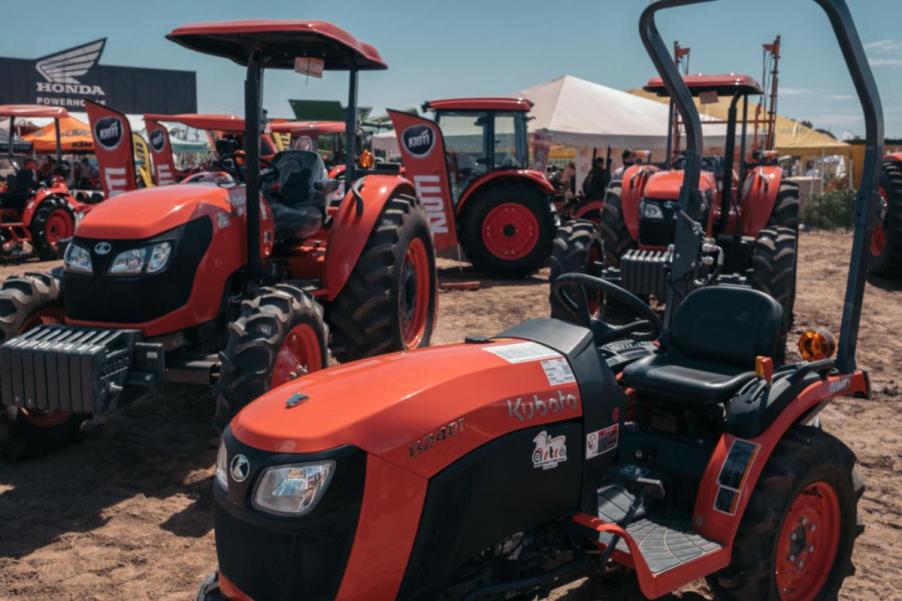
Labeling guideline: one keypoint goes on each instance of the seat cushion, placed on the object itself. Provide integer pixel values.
(678, 377)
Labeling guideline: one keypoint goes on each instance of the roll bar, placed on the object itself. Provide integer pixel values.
(689, 238)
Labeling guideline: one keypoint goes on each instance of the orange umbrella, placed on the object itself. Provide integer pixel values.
(75, 136)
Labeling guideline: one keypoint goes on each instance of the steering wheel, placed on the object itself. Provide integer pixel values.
(647, 327)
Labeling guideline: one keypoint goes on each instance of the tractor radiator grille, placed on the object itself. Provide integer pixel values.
(645, 271)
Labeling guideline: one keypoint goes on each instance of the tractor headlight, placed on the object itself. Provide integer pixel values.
(652, 210)
(159, 257)
(131, 262)
(222, 461)
(293, 489)
(77, 259)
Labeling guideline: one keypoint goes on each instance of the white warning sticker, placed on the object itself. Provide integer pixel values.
(558, 371)
(521, 352)
(602, 441)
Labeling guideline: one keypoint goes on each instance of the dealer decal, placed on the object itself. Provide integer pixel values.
(550, 451)
(602, 441)
(558, 402)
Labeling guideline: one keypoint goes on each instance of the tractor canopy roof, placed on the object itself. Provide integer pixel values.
(724, 85)
(280, 42)
(307, 127)
(499, 103)
(33, 110)
(226, 123)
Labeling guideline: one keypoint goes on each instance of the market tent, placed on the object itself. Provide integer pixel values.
(75, 136)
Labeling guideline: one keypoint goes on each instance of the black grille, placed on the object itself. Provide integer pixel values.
(658, 232)
(137, 299)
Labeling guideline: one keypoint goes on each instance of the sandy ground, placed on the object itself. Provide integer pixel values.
(126, 513)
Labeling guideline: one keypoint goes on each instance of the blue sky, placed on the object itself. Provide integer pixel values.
(479, 47)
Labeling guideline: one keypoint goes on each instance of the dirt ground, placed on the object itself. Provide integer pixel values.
(126, 513)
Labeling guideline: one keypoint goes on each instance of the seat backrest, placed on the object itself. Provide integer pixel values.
(727, 324)
(299, 172)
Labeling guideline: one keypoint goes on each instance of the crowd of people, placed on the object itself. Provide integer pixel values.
(596, 181)
(78, 174)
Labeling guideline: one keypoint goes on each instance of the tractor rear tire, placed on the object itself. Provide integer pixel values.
(507, 230)
(389, 302)
(577, 248)
(886, 258)
(279, 336)
(614, 233)
(52, 222)
(774, 262)
(786, 208)
(27, 301)
(807, 463)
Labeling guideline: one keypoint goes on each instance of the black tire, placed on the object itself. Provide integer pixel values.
(366, 316)
(471, 226)
(575, 244)
(255, 339)
(774, 261)
(786, 208)
(614, 233)
(805, 455)
(21, 299)
(889, 262)
(46, 250)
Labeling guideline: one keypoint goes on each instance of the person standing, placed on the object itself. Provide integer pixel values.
(628, 159)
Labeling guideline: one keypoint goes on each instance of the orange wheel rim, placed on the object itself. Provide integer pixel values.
(414, 295)
(300, 353)
(36, 417)
(808, 542)
(510, 231)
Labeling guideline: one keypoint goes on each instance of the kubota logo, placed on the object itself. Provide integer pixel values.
(418, 140)
(62, 70)
(158, 140)
(108, 132)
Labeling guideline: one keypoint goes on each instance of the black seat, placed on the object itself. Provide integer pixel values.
(714, 337)
(300, 206)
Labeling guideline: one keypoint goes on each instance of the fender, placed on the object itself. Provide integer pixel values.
(722, 527)
(631, 192)
(588, 208)
(529, 176)
(758, 196)
(349, 232)
(57, 190)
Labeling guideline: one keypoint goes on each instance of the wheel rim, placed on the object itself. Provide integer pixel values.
(413, 300)
(878, 234)
(300, 353)
(37, 418)
(59, 227)
(809, 539)
(510, 231)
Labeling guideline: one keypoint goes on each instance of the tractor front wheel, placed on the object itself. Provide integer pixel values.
(507, 230)
(886, 238)
(52, 222)
(774, 262)
(279, 336)
(796, 537)
(614, 233)
(389, 301)
(577, 249)
(28, 301)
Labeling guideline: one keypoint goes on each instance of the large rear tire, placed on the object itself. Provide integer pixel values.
(279, 336)
(796, 537)
(389, 301)
(774, 261)
(52, 222)
(507, 230)
(786, 207)
(577, 249)
(28, 301)
(886, 239)
(614, 233)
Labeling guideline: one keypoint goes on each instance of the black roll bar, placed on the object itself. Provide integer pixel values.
(351, 130)
(252, 116)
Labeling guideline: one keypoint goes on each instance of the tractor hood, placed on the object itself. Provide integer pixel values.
(420, 410)
(145, 213)
(665, 185)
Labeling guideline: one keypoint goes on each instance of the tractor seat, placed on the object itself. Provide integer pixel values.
(715, 335)
(300, 208)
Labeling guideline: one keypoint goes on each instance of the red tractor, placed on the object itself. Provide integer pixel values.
(886, 241)
(470, 168)
(228, 286)
(751, 216)
(501, 468)
(35, 215)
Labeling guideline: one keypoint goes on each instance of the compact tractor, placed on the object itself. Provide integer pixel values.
(886, 240)
(470, 169)
(502, 467)
(229, 286)
(751, 216)
(35, 215)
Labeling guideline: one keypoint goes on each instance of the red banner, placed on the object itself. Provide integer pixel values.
(423, 153)
(113, 147)
(161, 152)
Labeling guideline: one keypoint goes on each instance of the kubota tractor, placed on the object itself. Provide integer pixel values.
(470, 168)
(752, 215)
(503, 467)
(886, 240)
(36, 215)
(226, 286)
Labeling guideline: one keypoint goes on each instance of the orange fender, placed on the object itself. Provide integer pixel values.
(530, 176)
(759, 194)
(57, 190)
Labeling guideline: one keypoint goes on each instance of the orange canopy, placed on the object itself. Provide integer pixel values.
(75, 136)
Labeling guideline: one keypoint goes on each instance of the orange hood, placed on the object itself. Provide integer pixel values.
(665, 185)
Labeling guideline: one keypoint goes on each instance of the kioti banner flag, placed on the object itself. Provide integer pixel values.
(113, 147)
(423, 153)
(161, 152)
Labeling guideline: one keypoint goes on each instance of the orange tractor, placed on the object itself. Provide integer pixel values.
(886, 240)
